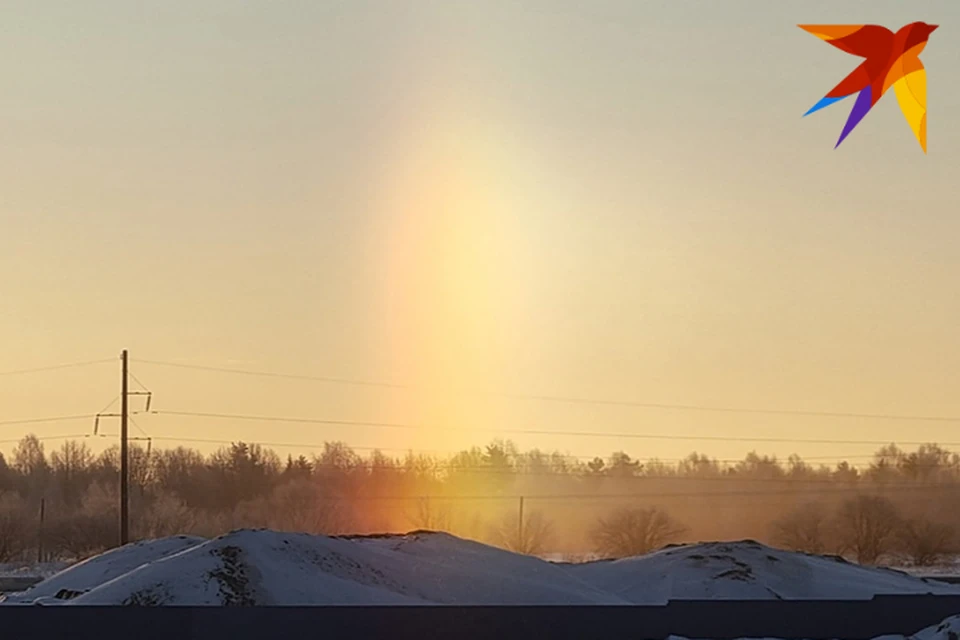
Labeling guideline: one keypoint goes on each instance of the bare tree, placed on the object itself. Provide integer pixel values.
(12, 527)
(623, 466)
(6, 475)
(90, 529)
(166, 515)
(532, 539)
(298, 505)
(633, 531)
(867, 526)
(431, 515)
(30, 462)
(925, 541)
(803, 529)
(70, 466)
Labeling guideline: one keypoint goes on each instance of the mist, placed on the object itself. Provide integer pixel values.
(572, 508)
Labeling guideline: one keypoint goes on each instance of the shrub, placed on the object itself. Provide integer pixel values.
(633, 531)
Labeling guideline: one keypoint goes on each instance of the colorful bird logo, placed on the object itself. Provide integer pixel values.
(892, 60)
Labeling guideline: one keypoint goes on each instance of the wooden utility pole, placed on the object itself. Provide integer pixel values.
(521, 547)
(124, 456)
(43, 505)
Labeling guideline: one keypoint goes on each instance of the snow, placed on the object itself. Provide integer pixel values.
(951, 569)
(105, 567)
(949, 629)
(29, 570)
(273, 568)
(465, 572)
(745, 570)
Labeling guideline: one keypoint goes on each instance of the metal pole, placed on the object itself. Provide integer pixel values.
(124, 455)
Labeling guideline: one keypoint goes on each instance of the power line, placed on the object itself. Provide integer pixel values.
(142, 392)
(655, 494)
(629, 495)
(268, 374)
(321, 445)
(135, 379)
(112, 402)
(85, 416)
(55, 367)
(648, 460)
(306, 445)
(711, 409)
(229, 416)
(139, 428)
(517, 473)
(795, 482)
(581, 400)
(516, 470)
(591, 434)
(62, 437)
(282, 445)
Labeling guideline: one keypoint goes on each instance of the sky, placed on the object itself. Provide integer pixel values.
(475, 203)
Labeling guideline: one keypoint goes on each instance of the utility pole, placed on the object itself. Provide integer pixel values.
(521, 547)
(43, 505)
(124, 415)
(124, 461)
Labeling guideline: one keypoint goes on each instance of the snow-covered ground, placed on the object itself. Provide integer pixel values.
(267, 567)
(949, 629)
(31, 569)
(949, 568)
(745, 571)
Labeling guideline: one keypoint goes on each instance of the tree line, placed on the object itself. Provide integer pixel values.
(901, 503)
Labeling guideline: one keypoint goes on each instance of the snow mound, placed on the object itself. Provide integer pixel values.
(264, 567)
(465, 572)
(745, 570)
(92, 572)
(271, 568)
(25, 570)
(949, 629)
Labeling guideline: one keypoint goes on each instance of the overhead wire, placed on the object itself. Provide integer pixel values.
(580, 400)
(135, 379)
(268, 374)
(517, 468)
(56, 437)
(83, 416)
(321, 445)
(660, 495)
(68, 365)
(551, 432)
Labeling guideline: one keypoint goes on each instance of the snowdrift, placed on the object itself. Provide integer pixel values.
(745, 570)
(31, 569)
(103, 568)
(949, 629)
(271, 568)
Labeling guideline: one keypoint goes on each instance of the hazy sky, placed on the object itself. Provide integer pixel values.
(606, 199)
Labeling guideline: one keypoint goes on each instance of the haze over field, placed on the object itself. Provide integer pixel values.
(898, 510)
